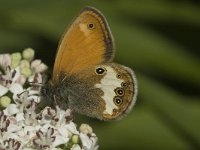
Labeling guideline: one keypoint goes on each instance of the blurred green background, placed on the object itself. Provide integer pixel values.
(159, 39)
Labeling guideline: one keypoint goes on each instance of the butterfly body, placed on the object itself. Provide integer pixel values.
(84, 77)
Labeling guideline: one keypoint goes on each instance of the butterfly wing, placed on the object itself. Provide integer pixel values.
(86, 43)
(106, 91)
(119, 86)
(83, 76)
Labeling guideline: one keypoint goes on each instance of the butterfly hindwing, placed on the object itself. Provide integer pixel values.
(107, 90)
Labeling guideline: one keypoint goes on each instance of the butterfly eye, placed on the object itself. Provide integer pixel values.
(118, 101)
(119, 91)
(118, 76)
(91, 26)
(100, 70)
(124, 84)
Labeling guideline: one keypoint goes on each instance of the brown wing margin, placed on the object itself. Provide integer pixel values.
(109, 40)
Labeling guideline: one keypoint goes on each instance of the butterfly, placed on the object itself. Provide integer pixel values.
(84, 77)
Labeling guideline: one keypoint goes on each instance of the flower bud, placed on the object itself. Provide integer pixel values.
(15, 57)
(26, 71)
(86, 129)
(75, 139)
(28, 54)
(5, 101)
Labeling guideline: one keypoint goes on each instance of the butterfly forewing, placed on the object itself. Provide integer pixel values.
(86, 43)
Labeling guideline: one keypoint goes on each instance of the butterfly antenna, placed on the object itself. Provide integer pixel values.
(35, 83)
(18, 95)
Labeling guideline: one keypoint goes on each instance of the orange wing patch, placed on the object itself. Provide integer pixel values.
(87, 42)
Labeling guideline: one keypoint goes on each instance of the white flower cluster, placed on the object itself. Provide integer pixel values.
(20, 127)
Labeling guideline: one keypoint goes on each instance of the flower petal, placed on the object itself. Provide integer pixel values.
(28, 131)
(17, 74)
(3, 90)
(85, 141)
(72, 128)
(60, 140)
(8, 135)
(63, 131)
(21, 79)
(20, 117)
(11, 110)
(14, 128)
(16, 88)
(5, 60)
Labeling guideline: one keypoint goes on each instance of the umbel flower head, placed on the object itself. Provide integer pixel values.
(21, 128)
